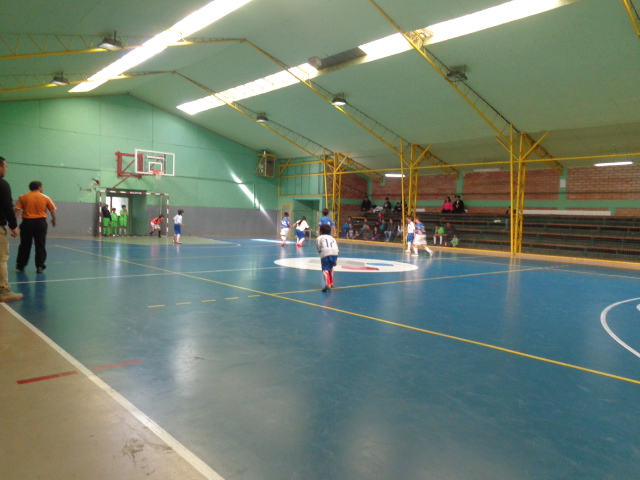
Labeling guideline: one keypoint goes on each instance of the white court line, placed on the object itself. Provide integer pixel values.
(180, 449)
(603, 320)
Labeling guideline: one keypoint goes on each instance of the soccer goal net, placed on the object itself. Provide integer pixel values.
(133, 212)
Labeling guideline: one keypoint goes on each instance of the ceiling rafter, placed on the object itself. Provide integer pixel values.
(29, 45)
(375, 128)
(632, 11)
(307, 145)
(489, 114)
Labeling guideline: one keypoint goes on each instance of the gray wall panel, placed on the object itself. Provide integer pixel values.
(81, 219)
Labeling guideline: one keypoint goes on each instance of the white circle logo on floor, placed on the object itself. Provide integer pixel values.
(355, 265)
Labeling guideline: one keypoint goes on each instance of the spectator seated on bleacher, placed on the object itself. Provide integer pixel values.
(455, 241)
(439, 233)
(450, 233)
(365, 233)
(386, 206)
(376, 234)
(458, 205)
(347, 228)
(366, 205)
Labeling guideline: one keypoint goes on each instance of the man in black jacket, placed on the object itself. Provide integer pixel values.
(8, 223)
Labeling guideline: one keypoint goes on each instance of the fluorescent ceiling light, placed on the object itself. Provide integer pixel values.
(613, 164)
(198, 20)
(269, 83)
(394, 175)
(338, 101)
(458, 27)
(384, 47)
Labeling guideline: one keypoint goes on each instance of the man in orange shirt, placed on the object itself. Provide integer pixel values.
(34, 206)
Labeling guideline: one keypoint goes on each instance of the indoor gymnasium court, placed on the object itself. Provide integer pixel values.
(463, 366)
(503, 135)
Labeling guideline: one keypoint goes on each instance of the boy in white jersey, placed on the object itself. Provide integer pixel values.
(420, 238)
(410, 233)
(285, 224)
(177, 226)
(328, 250)
(301, 227)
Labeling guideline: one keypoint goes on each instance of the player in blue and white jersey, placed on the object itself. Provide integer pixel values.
(285, 224)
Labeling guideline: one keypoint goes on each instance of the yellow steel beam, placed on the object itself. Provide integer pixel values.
(633, 15)
(487, 112)
(20, 46)
(375, 128)
(18, 83)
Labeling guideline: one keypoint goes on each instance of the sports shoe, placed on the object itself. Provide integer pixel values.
(8, 296)
(19, 270)
(40, 270)
(407, 251)
(325, 289)
(414, 254)
(178, 243)
(430, 254)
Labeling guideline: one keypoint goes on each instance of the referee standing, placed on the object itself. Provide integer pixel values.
(34, 206)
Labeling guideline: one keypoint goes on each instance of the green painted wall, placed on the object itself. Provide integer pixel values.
(67, 142)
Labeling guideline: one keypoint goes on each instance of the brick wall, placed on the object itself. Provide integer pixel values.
(604, 183)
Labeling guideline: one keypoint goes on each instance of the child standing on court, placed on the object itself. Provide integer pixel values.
(326, 220)
(285, 224)
(301, 227)
(421, 238)
(114, 222)
(155, 224)
(410, 233)
(177, 227)
(328, 250)
(122, 225)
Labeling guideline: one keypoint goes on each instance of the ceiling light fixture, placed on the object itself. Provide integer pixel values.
(262, 118)
(338, 100)
(394, 175)
(456, 75)
(59, 80)
(613, 164)
(111, 43)
(198, 20)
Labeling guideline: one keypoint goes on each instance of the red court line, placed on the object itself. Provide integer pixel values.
(73, 372)
(130, 362)
(47, 377)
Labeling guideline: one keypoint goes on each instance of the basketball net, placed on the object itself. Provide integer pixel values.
(157, 173)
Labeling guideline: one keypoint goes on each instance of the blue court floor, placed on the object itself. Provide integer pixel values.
(466, 367)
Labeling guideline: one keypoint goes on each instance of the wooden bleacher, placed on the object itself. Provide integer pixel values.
(614, 238)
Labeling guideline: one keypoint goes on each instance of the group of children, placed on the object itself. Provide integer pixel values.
(112, 223)
(325, 243)
(177, 226)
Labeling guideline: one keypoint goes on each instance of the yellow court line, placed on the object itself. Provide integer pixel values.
(184, 303)
(388, 322)
(207, 301)
(232, 298)
(253, 296)
(413, 280)
(155, 306)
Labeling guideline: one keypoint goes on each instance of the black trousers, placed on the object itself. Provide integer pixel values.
(32, 230)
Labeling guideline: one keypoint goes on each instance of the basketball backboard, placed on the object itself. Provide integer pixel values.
(150, 162)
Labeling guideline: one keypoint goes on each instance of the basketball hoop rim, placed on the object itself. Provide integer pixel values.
(158, 173)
